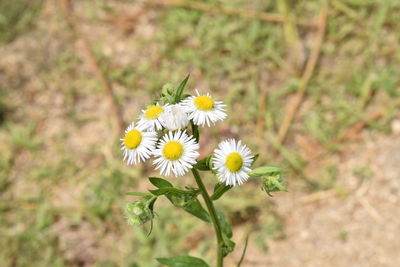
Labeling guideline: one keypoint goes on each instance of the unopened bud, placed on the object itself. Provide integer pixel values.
(138, 213)
(271, 178)
(273, 183)
(167, 89)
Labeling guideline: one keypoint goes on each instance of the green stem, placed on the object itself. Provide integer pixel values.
(213, 215)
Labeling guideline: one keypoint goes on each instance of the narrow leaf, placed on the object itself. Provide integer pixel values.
(183, 261)
(162, 191)
(179, 90)
(195, 131)
(187, 200)
(159, 182)
(219, 190)
(195, 208)
(165, 190)
(255, 158)
(137, 194)
(226, 228)
(264, 170)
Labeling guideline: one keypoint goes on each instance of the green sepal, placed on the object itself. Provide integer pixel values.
(219, 190)
(183, 261)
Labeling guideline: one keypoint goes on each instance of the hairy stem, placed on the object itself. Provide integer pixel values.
(213, 215)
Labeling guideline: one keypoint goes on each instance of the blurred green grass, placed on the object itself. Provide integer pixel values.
(234, 57)
(16, 17)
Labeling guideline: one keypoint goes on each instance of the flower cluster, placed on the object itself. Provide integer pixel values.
(163, 132)
(169, 130)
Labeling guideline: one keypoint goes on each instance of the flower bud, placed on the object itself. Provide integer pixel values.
(138, 213)
(272, 183)
(175, 117)
(167, 89)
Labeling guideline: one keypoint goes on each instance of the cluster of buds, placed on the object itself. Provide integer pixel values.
(138, 213)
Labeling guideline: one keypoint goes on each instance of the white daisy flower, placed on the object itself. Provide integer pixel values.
(202, 109)
(151, 117)
(232, 161)
(175, 117)
(176, 153)
(138, 144)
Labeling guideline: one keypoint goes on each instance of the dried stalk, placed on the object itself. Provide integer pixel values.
(227, 11)
(105, 83)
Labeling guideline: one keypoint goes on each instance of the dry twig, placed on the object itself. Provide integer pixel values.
(226, 11)
(319, 196)
(105, 83)
(308, 72)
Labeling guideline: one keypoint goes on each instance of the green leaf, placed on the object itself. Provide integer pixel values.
(179, 90)
(195, 208)
(166, 190)
(228, 245)
(225, 226)
(185, 96)
(183, 261)
(219, 190)
(195, 131)
(204, 164)
(261, 171)
(159, 182)
(185, 199)
(255, 158)
(150, 202)
(137, 194)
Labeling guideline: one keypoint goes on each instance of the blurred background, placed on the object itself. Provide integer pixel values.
(314, 86)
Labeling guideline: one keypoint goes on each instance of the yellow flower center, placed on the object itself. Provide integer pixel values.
(132, 139)
(234, 162)
(173, 150)
(153, 112)
(204, 102)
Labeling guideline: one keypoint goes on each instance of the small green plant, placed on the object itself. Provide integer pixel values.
(169, 131)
